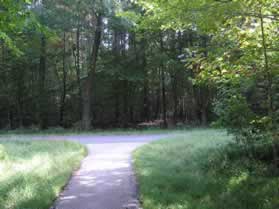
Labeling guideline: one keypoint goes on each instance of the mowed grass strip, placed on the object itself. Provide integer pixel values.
(192, 171)
(32, 173)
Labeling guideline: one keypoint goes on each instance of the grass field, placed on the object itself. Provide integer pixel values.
(193, 171)
(32, 173)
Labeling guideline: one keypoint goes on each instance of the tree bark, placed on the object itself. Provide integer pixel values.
(42, 90)
(269, 92)
(164, 102)
(163, 81)
(267, 69)
(125, 116)
(116, 106)
(64, 80)
(77, 68)
(19, 94)
(145, 108)
(88, 87)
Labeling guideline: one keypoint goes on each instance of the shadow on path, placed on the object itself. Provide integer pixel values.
(106, 179)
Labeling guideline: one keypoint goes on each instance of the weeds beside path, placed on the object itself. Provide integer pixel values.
(194, 171)
(32, 173)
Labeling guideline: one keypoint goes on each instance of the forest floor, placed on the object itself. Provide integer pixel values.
(203, 169)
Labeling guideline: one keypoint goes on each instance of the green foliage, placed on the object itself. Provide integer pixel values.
(14, 17)
(233, 110)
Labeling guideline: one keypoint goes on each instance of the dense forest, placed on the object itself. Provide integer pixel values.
(88, 64)
(115, 63)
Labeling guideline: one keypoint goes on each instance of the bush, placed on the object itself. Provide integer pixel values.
(234, 112)
(256, 133)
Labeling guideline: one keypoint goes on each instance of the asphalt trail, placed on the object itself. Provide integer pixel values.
(105, 179)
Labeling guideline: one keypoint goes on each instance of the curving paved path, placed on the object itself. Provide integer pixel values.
(105, 179)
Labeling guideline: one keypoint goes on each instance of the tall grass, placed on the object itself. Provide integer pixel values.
(193, 171)
(32, 173)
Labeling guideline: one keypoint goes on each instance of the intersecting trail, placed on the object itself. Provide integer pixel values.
(105, 179)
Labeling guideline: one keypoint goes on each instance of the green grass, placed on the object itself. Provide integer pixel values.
(196, 170)
(32, 173)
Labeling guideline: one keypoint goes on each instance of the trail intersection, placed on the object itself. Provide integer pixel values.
(105, 179)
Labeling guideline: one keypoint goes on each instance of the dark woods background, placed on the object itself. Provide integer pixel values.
(112, 63)
(81, 65)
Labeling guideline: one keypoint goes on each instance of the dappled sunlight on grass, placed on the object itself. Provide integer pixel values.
(34, 172)
(190, 171)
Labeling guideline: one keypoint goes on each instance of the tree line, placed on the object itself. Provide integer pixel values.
(84, 64)
(116, 63)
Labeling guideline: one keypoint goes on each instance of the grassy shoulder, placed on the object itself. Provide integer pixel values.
(32, 173)
(115, 131)
(199, 170)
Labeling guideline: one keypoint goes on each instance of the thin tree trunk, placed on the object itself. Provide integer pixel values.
(116, 109)
(158, 101)
(125, 103)
(267, 69)
(42, 90)
(19, 96)
(175, 97)
(131, 113)
(88, 87)
(64, 80)
(10, 118)
(204, 116)
(164, 102)
(205, 91)
(7, 98)
(269, 91)
(116, 50)
(163, 81)
(174, 76)
(145, 109)
(77, 67)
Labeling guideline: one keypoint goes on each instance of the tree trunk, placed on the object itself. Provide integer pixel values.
(42, 90)
(163, 84)
(116, 109)
(10, 118)
(125, 116)
(19, 102)
(145, 109)
(158, 102)
(204, 116)
(131, 113)
(269, 92)
(267, 70)
(88, 87)
(175, 96)
(164, 97)
(77, 67)
(64, 80)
